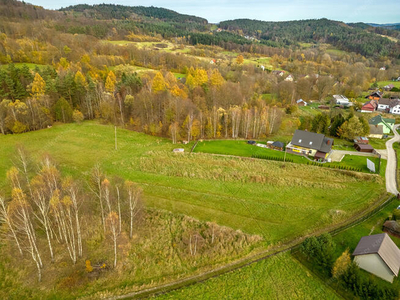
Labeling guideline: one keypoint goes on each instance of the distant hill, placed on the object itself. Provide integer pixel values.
(394, 26)
(111, 11)
(339, 34)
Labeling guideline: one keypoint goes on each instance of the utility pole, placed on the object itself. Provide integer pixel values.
(115, 134)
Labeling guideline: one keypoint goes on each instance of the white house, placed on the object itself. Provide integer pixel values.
(383, 104)
(342, 100)
(394, 107)
(301, 102)
(379, 255)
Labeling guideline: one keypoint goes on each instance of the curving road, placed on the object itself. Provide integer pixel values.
(391, 182)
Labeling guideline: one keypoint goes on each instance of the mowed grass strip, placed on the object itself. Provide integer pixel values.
(279, 202)
(241, 148)
(279, 277)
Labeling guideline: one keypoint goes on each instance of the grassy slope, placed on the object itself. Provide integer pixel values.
(280, 277)
(276, 210)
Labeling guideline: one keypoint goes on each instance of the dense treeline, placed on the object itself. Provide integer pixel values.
(321, 31)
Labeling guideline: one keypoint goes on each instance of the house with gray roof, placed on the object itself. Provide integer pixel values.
(310, 144)
(375, 131)
(379, 255)
(384, 104)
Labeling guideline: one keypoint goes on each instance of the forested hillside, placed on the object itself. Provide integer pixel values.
(111, 11)
(344, 37)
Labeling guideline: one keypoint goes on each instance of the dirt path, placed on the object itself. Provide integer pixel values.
(391, 168)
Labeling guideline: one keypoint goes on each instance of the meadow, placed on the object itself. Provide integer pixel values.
(268, 201)
(279, 277)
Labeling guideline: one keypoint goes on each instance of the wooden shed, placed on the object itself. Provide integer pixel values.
(364, 147)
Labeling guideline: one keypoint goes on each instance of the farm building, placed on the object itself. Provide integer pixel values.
(377, 95)
(301, 102)
(375, 131)
(379, 255)
(387, 123)
(289, 78)
(310, 143)
(369, 106)
(363, 147)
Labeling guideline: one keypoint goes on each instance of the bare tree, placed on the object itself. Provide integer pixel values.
(112, 222)
(96, 188)
(6, 219)
(134, 194)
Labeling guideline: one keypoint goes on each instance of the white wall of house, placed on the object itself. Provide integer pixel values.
(383, 106)
(374, 264)
(395, 110)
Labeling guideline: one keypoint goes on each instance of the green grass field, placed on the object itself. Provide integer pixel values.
(241, 148)
(387, 82)
(260, 197)
(279, 277)
(278, 202)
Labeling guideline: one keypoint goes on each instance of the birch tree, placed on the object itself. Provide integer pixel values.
(134, 195)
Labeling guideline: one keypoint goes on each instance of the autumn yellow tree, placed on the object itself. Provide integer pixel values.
(239, 59)
(38, 86)
(216, 78)
(110, 82)
(159, 83)
(341, 264)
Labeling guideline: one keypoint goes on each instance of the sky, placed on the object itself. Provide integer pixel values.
(367, 11)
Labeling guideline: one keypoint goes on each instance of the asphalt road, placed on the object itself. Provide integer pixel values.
(391, 184)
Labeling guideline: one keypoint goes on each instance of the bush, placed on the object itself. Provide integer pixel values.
(77, 116)
(320, 250)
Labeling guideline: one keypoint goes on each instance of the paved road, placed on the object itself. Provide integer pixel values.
(391, 184)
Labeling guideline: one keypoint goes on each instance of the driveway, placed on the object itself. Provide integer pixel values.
(337, 155)
(391, 183)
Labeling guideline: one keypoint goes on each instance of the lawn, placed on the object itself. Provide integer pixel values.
(241, 148)
(387, 82)
(378, 143)
(279, 277)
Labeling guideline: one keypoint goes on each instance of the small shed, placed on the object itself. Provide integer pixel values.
(363, 147)
(178, 150)
(379, 255)
(277, 146)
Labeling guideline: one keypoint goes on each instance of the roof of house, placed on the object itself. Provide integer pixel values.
(372, 103)
(379, 119)
(312, 140)
(385, 101)
(377, 93)
(382, 245)
(278, 144)
(362, 146)
(375, 129)
(341, 98)
(300, 100)
(394, 102)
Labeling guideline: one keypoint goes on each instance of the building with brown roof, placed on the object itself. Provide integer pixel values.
(379, 255)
